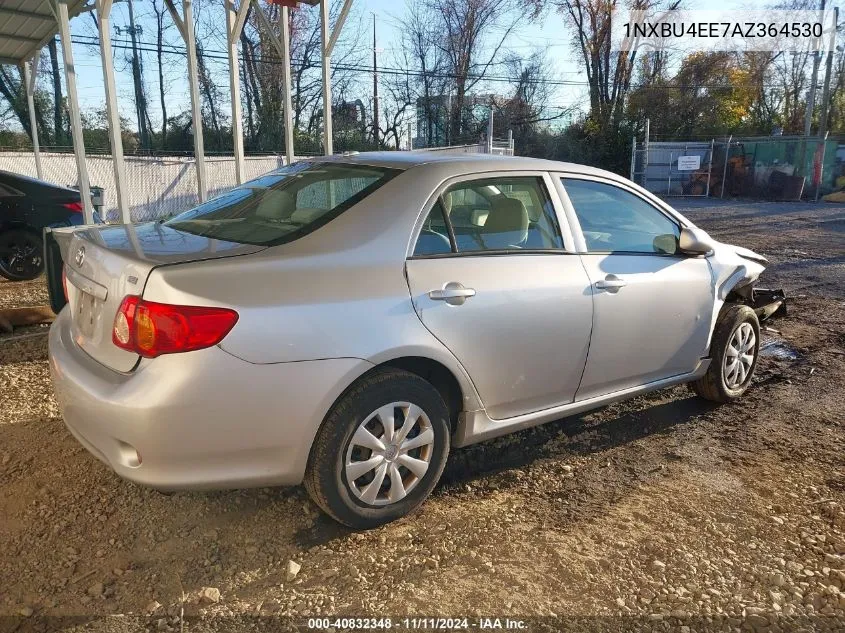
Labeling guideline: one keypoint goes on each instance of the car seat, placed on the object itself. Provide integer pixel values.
(506, 225)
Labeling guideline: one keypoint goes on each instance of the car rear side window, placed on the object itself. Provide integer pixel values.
(434, 235)
(492, 214)
(284, 205)
(615, 220)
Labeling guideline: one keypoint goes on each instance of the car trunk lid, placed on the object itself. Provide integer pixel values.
(105, 264)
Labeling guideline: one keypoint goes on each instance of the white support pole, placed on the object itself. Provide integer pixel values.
(232, 35)
(103, 11)
(490, 132)
(196, 106)
(725, 167)
(327, 78)
(811, 92)
(73, 106)
(29, 70)
(831, 47)
(283, 50)
(288, 105)
(338, 27)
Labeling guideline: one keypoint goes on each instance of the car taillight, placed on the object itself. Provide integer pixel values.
(76, 207)
(151, 329)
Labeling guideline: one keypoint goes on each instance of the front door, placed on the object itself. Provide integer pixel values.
(651, 304)
(490, 278)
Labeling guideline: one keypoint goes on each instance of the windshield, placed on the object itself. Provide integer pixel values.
(283, 205)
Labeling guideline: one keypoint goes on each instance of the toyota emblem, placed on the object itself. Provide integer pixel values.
(80, 256)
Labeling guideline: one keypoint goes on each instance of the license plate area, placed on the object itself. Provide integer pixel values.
(86, 311)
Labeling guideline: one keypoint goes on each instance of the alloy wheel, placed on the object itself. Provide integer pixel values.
(389, 453)
(739, 356)
(20, 256)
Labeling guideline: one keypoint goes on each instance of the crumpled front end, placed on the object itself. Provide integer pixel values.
(736, 271)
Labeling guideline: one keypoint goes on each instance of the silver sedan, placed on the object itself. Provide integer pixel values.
(345, 321)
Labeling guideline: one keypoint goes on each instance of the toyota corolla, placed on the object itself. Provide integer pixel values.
(346, 321)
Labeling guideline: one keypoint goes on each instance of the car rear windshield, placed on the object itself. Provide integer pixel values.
(283, 205)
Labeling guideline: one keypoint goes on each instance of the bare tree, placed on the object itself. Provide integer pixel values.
(162, 19)
(790, 76)
(528, 104)
(13, 91)
(836, 113)
(465, 26)
(422, 53)
(401, 95)
(265, 71)
(609, 73)
(58, 99)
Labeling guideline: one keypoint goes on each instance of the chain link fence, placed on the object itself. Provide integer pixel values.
(157, 187)
(775, 168)
(673, 169)
(499, 148)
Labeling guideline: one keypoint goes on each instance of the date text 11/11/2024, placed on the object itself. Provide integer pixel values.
(419, 624)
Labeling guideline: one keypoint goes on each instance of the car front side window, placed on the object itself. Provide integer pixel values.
(615, 220)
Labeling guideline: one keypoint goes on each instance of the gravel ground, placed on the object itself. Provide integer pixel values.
(662, 513)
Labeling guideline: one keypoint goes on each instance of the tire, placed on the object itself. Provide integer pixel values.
(337, 452)
(720, 383)
(21, 255)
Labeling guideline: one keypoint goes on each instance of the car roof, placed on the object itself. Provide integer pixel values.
(461, 162)
(27, 184)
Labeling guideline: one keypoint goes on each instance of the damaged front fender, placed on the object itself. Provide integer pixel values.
(735, 271)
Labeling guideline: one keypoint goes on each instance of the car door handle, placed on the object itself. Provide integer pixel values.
(454, 293)
(612, 283)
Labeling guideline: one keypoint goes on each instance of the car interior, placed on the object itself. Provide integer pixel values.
(613, 220)
(280, 204)
(496, 214)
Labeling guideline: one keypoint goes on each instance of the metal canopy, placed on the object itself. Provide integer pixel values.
(27, 25)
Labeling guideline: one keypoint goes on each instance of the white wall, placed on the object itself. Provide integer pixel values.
(158, 187)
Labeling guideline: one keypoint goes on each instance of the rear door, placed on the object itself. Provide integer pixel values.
(651, 303)
(493, 278)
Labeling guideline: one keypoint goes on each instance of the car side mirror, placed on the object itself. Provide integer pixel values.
(695, 241)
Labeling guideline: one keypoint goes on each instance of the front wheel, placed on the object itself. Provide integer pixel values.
(734, 351)
(21, 255)
(380, 450)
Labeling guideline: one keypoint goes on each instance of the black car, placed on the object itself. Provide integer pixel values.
(27, 206)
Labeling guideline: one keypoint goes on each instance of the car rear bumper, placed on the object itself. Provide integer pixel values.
(199, 420)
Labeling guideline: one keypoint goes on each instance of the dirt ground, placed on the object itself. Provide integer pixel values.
(662, 513)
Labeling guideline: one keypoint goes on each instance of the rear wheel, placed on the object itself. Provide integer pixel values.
(734, 351)
(21, 255)
(380, 450)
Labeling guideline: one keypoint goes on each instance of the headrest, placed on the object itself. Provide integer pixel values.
(507, 215)
(276, 205)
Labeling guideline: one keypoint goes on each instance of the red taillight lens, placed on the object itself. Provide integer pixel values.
(151, 329)
(76, 207)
